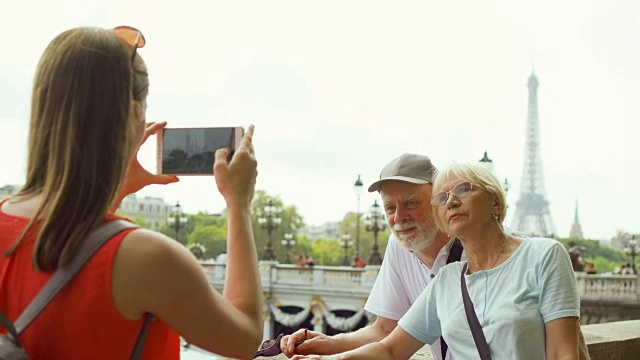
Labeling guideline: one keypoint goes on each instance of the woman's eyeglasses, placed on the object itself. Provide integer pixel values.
(461, 190)
(272, 347)
(131, 36)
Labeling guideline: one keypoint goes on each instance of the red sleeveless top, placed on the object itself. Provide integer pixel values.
(82, 321)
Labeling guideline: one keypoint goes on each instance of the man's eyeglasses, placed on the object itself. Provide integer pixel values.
(272, 347)
(461, 190)
(131, 36)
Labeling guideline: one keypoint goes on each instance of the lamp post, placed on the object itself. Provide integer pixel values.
(288, 242)
(486, 162)
(346, 242)
(177, 220)
(632, 251)
(269, 220)
(375, 222)
(358, 187)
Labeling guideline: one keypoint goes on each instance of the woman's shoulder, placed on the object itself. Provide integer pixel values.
(144, 243)
(541, 247)
(540, 242)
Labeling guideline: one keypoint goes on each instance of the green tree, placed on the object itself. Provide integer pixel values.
(605, 258)
(291, 222)
(348, 225)
(183, 232)
(593, 249)
(193, 221)
(603, 264)
(327, 252)
(212, 237)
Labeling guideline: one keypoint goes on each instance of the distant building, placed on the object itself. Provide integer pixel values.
(328, 230)
(153, 210)
(8, 190)
(576, 229)
(623, 239)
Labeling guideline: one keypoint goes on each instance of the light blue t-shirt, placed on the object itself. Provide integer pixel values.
(513, 301)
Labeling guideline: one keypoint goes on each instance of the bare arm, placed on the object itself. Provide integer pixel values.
(236, 182)
(584, 350)
(398, 345)
(155, 274)
(317, 343)
(562, 339)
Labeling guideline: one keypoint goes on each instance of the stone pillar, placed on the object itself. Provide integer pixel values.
(369, 275)
(267, 324)
(316, 308)
(268, 273)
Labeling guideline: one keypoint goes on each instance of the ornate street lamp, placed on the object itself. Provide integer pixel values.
(358, 187)
(632, 251)
(269, 220)
(288, 242)
(375, 222)
(346, 242)
(488, 164)
(177, 220)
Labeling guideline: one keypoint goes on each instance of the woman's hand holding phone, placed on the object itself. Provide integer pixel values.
(138, 177)
(236, 179)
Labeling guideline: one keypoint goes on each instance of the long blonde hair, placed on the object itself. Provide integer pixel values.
(80, 137)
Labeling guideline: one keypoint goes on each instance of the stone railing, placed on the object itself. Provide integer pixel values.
(330, 278)
(318, 279)
(596, 287)
(608, 298)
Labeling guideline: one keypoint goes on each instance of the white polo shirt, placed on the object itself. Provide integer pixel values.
(401, 279)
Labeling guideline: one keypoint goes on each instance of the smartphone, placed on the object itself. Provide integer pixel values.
(190, 151)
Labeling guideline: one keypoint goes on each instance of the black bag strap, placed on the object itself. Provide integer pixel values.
(138, 348)
(472, 318)
(63, 275)
(455, 253)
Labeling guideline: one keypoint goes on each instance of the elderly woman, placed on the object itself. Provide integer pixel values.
(522, 290)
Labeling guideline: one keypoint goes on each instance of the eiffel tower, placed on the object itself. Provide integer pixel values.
(532, 216)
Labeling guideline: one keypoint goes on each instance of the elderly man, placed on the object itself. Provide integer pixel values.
(415, 252)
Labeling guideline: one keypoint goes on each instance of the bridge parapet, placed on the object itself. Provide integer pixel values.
(317, 278)
(601, 287)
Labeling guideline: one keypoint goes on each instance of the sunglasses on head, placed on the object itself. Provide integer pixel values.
(461, 190)
(131, 36)
(271, 347)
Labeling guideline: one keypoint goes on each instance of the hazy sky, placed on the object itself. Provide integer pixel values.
(339, 88)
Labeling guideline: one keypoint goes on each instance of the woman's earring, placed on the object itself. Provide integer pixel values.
(495, 217)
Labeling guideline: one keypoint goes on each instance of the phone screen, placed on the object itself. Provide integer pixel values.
(190, 151)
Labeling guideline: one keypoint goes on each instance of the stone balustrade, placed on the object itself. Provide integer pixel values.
(331, 278)
(606, 287)
(274, 274)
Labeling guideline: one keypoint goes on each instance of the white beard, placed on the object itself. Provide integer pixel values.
(423, 236)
